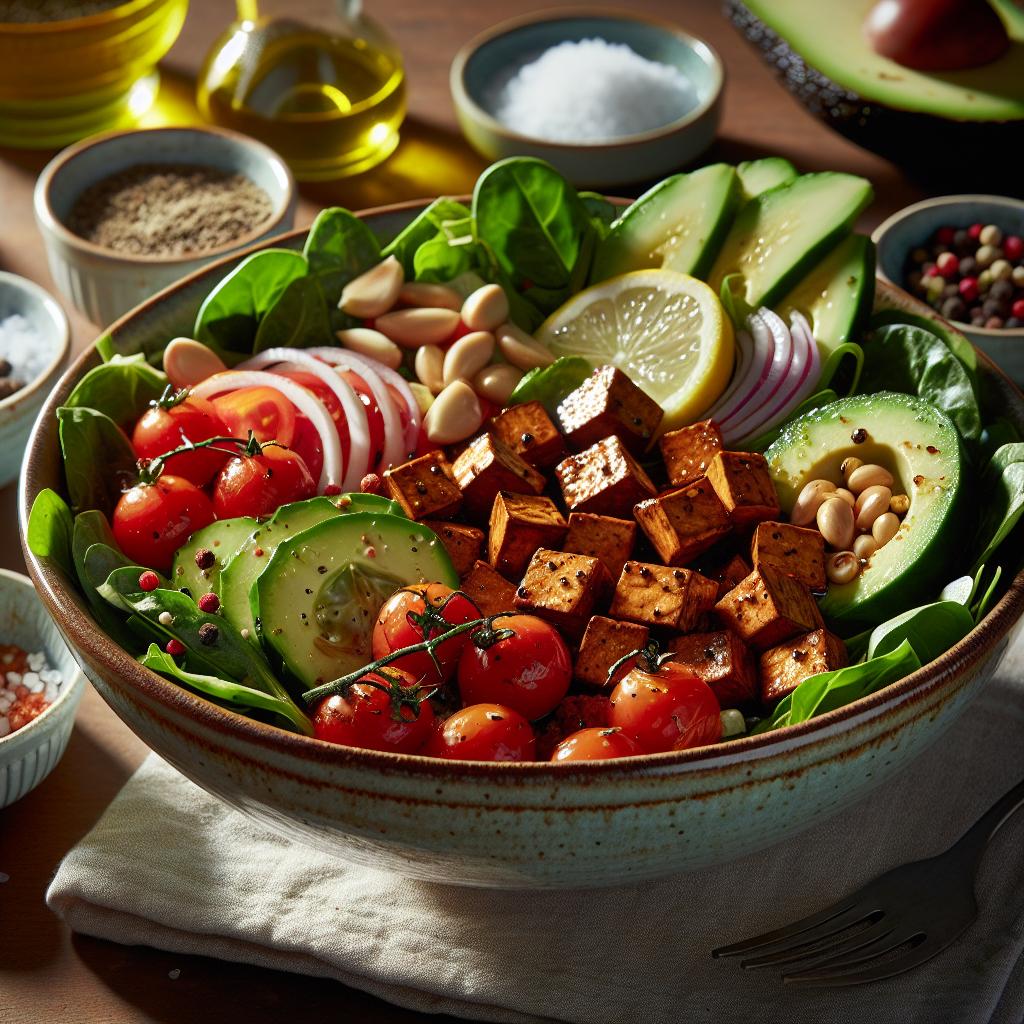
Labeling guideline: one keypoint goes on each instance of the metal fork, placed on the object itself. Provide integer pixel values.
(891, 925)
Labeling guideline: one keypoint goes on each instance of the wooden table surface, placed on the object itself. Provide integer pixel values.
(46, 973)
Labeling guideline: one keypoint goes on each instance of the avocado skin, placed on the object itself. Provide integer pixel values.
(935, 148)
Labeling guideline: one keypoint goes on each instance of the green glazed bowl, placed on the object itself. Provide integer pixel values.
(512, 825)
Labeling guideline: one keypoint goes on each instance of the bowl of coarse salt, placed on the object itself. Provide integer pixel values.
(126, 214)
(606, 98)
(35, 341)
(40, 687)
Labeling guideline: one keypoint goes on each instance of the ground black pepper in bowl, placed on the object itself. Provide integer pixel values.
(169, 210)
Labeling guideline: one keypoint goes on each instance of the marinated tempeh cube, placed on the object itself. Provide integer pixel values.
(659, 595)
(769, 607)
(785, 667)
(611, 540)
(723, 661)
(463, 543)
(488, 589)
(688, 452)
(605, 642)
(745, 486)
(797, 551)
(682, 524)
(519, 525)
(527, 429)
(425, 487)
(608, 403)
(486, 466)
(604, 480)
(563, 588)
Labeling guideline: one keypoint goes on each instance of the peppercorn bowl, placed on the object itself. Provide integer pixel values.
(514, 824)
(914, 226)
(103, 283)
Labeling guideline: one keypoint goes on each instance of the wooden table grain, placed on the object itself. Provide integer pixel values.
(47, 974)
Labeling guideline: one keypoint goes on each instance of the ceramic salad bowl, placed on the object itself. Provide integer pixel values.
(514, 825)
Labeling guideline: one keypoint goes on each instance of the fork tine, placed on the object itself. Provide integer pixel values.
(835, 975)
(826, 948)
(791, 930)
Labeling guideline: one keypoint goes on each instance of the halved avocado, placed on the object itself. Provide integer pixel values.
(919, 445)
(822, 56)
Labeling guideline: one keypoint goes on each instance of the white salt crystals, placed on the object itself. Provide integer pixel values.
(591, 91)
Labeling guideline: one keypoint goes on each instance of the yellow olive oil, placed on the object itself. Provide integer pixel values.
(331, 105)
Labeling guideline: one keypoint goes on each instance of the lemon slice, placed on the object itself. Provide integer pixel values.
(665, 330)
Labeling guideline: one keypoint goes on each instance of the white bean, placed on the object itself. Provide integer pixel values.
(486, 308)
(429, 367)
(424, 325)
(373, 293)
(871, 503)
(371, 343)
(842, 567)
(470, 354)
(188, 362)
(835, 522)
(521, 349)
(422, 293)
(869, 475)
(885, 527)
(808, 501)
(454, 415)
(865, 546)
(496, 383)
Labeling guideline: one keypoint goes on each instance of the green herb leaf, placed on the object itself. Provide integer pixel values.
(122, 388)
(550, 384)
(437, 218)
(50, 529)
(105, 347)
(99, 463)
(339, 247)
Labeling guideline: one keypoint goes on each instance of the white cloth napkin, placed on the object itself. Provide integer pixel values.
(169, 866)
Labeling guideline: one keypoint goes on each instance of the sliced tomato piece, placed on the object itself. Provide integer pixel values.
(374, 417)
(264, 411)
(307, 441)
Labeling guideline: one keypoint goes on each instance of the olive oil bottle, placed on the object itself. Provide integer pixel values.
(326, 90)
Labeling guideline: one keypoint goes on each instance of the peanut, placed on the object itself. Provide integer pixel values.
(884, 528)
(808, 500)
(835, 522)
(865, 546)
(871, 503)
(842, 567)
(869, 475)
(900, 504)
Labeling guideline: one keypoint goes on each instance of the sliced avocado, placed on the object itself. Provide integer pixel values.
(919, 445)
(358, 502)
(679, 224)
(836, 296)
(778, 237)
(319, 596)
(222, 538)
(757, 176)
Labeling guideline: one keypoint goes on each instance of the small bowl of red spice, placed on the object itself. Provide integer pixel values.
(126, 214)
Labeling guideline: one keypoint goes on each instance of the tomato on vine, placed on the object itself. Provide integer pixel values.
(596, 744)
(520, 661)
(483, 732)
(384, 710)
(417, 613)
(664, 706)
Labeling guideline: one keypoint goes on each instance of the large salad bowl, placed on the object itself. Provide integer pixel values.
(525, 825)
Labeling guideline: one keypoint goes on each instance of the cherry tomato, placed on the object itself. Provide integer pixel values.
(385, 710)
(167, 425)
(264, 411)
(596, 745)
(416, 613)
(153, 520)
(256, 485)
(483, 732)
(309, 446)
(529, 671)
(668, 709)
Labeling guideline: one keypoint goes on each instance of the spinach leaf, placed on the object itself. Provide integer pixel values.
(953, 339)
(931, 630)
(830, 690)
(961, 590)
(437, 260)
(533, 221)
(122, 388)
(235, 695)
(225, 654)
(230, 315)
(997, 433)
(550, 384)
(910, 359)
(1003, 487)
(437, 218)
(93, 531)
(980, 609)
(99, 462)
(601, 212)
(299, 318)
(339, 247)
(50, 529)
(105, 347)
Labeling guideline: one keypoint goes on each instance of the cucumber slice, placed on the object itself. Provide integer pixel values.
(778, 237)
(320, 594)
(679, 225)
(222, 538)
(757, 176)
(836, 296)
(357, 502)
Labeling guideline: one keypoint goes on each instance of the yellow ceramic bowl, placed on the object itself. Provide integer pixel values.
(63, 80)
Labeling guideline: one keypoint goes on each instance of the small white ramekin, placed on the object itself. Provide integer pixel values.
(104, 284)
(28, 755)
(18, 411)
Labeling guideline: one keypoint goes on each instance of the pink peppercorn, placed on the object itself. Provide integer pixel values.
(1018, 309)
(974, 230)
(174, 647)
(371, 484)
(947, 264)
(1013, 247)
(933, 270)
(148, 580)
(331, 490)
(209, 603)
(944, 236)
(969, 289)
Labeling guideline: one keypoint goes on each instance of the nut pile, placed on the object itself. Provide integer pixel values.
(973, 275)
(461, 350)
(855, 518)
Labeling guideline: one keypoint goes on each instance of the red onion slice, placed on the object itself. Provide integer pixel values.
(757, 372)
(308, 404)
